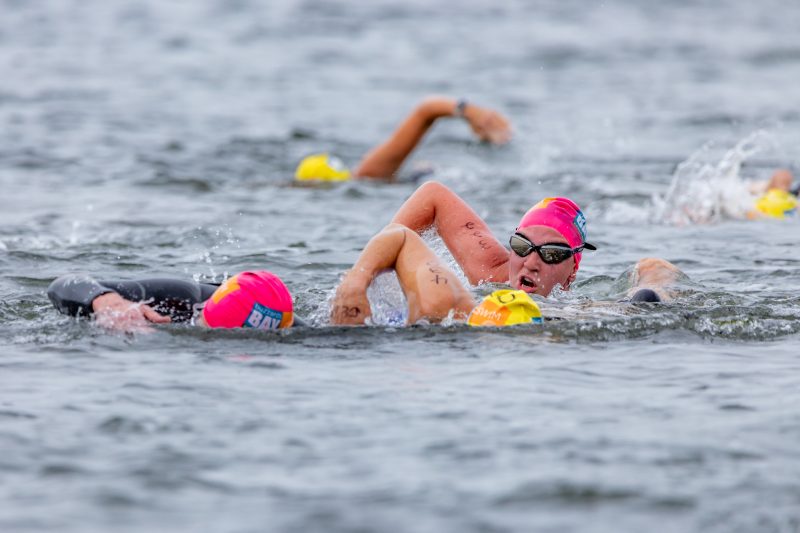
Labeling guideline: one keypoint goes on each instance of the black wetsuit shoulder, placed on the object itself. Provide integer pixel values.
(74, 294)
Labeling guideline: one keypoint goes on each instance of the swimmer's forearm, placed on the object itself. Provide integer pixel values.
(350, 304)
(481, 256)
(379, 254)
(385, 159)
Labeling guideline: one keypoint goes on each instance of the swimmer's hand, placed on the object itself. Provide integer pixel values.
(114, 312)
(350, 306)
(487, 124)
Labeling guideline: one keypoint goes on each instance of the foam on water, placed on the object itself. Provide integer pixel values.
(704, 191)
(387, 301)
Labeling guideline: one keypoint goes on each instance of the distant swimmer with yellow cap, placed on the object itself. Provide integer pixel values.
(383, 161)
(778, 199)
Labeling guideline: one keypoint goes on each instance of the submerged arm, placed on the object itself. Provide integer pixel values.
(384, 160)
(84, 296)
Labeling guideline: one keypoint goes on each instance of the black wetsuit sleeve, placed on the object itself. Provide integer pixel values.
(74, 294)
(177, 299)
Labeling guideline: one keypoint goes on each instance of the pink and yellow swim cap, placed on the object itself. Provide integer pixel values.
(564, 216)
(250, 300)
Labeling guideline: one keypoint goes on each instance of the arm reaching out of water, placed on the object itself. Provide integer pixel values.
(477, 251)
(431, 288)
(384, 160)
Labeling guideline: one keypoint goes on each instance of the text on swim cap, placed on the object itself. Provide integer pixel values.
(263, 318)
(580, 224)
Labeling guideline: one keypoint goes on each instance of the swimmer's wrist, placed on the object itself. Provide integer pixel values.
(460, 108)
(435, 107)
(357, 279)
(362, 279)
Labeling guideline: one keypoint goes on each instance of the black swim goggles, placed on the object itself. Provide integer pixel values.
(551, 253)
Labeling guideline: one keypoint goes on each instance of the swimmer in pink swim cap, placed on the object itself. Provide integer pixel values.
(256, 300)
(545, 250)
(554, 230)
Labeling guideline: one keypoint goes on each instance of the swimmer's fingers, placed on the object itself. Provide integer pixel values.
(153, 316)
(488, 125)
(128, 320)
(497, 129)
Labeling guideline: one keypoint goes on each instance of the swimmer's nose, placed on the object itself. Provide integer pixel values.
(533, 262)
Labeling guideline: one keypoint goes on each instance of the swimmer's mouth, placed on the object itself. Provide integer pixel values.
(527, 283)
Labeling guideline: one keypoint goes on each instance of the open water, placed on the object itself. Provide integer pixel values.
(151, 138)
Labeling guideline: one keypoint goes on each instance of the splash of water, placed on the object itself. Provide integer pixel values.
(387, 301)
(705, 192)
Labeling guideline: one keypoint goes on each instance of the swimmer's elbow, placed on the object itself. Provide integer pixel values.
(432, 187)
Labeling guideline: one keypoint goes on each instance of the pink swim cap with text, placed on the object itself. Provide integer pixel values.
(564, 216)
(250, 300)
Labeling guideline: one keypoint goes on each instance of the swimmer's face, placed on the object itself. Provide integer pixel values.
(534, 276)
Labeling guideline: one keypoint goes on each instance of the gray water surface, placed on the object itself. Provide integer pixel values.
(149, 138)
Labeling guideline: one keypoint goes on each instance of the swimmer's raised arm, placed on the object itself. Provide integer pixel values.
(481, 256)
(431, 288)
(384, 160)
